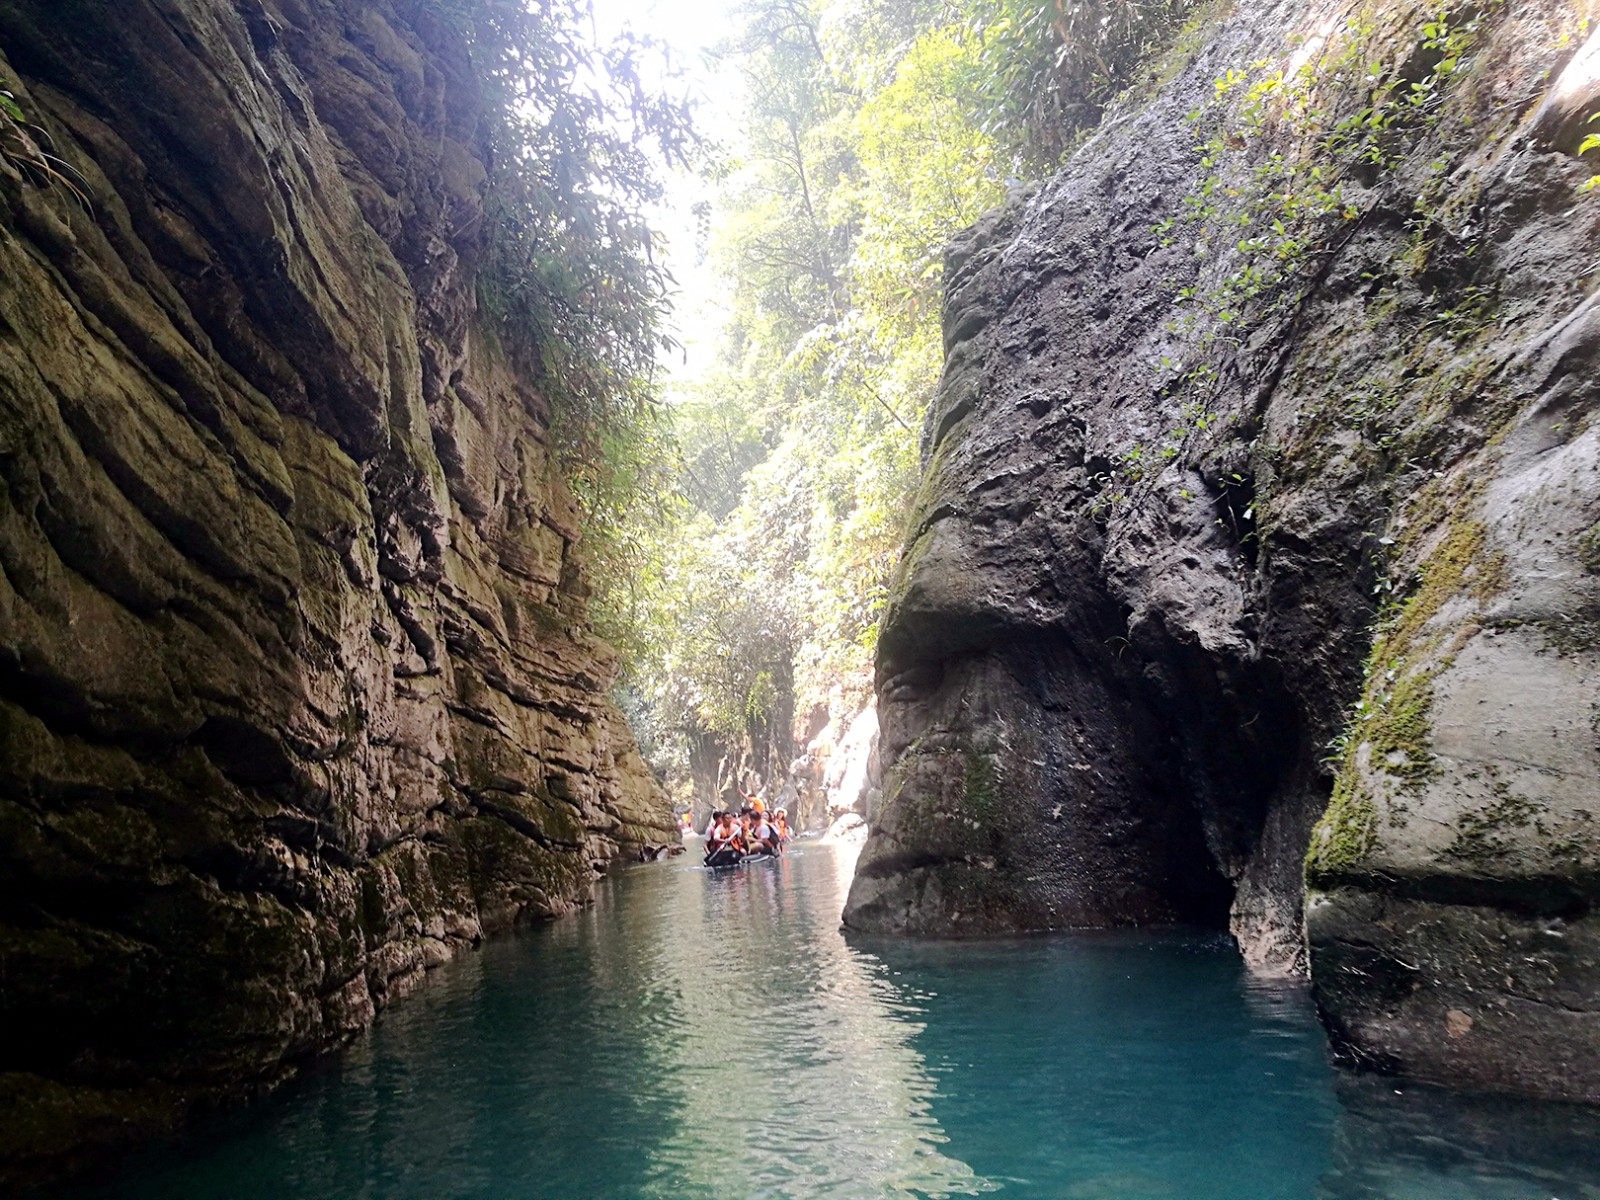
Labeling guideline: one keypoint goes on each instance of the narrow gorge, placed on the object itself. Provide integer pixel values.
(1245, 589)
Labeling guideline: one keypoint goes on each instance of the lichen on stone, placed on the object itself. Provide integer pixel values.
(1483, 834)
(1588, 549)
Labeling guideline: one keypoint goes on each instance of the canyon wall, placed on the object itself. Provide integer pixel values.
(296, 693)
(1254, 575)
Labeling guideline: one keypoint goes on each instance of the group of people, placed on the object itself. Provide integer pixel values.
(732, 835)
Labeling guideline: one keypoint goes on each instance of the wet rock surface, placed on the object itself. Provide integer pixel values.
(296, 696)
(1256, 539)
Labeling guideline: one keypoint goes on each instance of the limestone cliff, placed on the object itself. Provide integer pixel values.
(296, 695)
(1259, 518)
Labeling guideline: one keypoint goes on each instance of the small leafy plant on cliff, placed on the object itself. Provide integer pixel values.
(1350, 111)
(1591, 142)
(22, 145)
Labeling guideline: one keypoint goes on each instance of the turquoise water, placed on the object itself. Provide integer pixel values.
(715, 1035)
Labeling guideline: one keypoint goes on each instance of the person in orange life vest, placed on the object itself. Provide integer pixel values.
(724, 844)
(780, 823)
(728, 832)
(763, 837)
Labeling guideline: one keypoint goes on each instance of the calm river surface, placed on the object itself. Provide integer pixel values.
(716, 1036)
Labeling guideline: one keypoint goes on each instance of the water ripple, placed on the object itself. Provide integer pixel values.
(714, 1036)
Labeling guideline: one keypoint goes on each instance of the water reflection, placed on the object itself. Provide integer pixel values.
(713, 1036)
(800, 1077)
(693, 1035)
(1115, 1066)
(1132, 1067)
(1424, 1143)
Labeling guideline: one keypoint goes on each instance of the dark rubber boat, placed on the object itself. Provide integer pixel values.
(729, 857)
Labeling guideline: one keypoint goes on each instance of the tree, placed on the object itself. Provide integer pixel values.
(799, 446)
(874, 130)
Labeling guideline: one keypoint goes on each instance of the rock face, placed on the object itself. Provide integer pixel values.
(296, 698)
(1260, 517)
(837, 772)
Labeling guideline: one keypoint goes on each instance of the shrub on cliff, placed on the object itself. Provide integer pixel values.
(570, 279)
(1050, 67)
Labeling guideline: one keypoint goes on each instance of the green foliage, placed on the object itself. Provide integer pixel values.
(570, 279)
(924, 170)
(1591, 142)
(859, 158)
(624, 484)
(1351, 111)
(723, 631)
(1048, 70)
(22, 144)
(570, 273)
(873, 130)
(722, 441)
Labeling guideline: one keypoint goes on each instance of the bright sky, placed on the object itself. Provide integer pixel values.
(691, 28)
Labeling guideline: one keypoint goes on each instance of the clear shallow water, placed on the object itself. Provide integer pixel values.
(716, 1036)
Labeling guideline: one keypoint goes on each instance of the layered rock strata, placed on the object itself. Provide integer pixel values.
(1260, 517)
(296, 695)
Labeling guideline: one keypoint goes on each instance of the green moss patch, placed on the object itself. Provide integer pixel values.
(980, 784)
(1387, 748)
(1344, 835)
(1589, 549)
(1566, 633)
